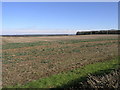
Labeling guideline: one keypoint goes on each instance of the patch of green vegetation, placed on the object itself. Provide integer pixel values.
(20, 45)
(99, 44)
(76, 50)
(9, 57)
(64, 79)
(45, 51)
(78, 41)
(6, 53)
(21, 53)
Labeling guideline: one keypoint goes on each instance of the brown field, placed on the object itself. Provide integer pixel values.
(54, 38)
(52, 55)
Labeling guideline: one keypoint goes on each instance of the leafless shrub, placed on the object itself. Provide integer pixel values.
(110, 80)
(94, 82)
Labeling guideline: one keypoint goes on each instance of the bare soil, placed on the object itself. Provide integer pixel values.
(43, 61)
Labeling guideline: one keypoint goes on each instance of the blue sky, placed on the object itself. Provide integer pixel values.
(58, 17)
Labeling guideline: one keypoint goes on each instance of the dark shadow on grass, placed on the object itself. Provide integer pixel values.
(74, 85)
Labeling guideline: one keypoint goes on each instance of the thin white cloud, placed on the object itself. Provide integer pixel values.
(60, 0)
(23, 31)
(49, 31)
(45, 31)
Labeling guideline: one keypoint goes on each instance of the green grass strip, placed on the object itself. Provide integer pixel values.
(61, 79)
(20, 45)
(78, 41)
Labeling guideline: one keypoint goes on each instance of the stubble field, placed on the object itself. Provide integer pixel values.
(30, 58)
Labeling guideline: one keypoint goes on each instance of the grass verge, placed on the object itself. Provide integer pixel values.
(65, 79)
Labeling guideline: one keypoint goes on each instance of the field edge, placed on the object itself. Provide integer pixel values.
(66, 78)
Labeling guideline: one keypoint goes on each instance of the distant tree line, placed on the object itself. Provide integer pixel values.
(98, 32)
(77, 33)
